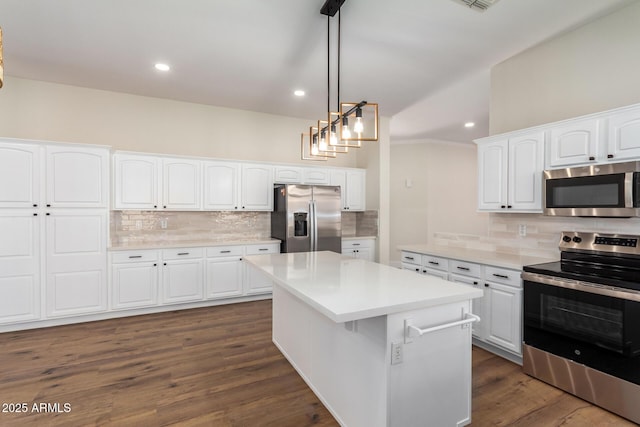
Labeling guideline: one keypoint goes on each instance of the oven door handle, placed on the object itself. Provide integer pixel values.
(592, 288)
(628, 190)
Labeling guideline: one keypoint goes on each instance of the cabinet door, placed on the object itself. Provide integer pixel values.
(477, 304)
(525, 172)
(503, 316)
(256, 188)
(492, 175)
(224, 277)
(315, 176)
(137, 182)
(182, 281)
(19, 175)
(19, 267)
(573, 143)
(624, 136)
(355, 190)
(256, 282)
(181, 181)
(221, 186)
(288, 175)
(77, 177)
(134, 285)
(76, 255)
(339, 178)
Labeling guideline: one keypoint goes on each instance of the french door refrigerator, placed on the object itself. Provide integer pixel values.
(307, 218)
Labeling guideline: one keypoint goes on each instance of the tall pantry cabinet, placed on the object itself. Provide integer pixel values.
(53, 223)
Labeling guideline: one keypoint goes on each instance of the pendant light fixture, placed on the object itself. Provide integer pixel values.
(350, 123)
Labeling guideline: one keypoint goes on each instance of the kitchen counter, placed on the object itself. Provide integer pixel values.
(346, 289)
(135, 246)
(498, 259)
(343, 324)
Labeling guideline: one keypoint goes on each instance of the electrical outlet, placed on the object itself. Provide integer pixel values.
(163, 223)
(522, 230)
(138, 224)
(396, 353)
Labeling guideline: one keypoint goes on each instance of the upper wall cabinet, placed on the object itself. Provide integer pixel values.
(75, 176)
(612, 136)
(301, 175)
(624, 135)
(150, 183)
(573, 143)
(352, 184)
(510, 173)
(232, 186)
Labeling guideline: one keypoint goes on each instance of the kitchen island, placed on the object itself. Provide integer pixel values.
(378, 345)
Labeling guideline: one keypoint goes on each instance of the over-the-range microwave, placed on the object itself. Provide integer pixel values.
(603, 190)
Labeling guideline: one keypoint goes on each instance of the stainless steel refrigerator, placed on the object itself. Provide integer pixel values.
(307, 218)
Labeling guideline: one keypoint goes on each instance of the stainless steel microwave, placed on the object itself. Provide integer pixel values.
(606, 190)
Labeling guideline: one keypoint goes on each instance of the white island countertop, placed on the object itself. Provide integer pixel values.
(346, 289)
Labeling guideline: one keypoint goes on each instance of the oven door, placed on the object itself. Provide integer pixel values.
(596, 330)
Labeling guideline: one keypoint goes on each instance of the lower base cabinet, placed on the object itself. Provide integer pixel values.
(499, 309)
(360, 248)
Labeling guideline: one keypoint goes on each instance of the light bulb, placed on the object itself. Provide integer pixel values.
(323, 141)
(333, 139)
(314, 145)
(346, 133)
(358, 127)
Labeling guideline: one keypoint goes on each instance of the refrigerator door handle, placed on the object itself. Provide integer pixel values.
(314, 226)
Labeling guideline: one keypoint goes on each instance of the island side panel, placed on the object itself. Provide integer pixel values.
(346, 369)
(432, 384)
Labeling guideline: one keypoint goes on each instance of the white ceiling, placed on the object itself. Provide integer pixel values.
(425, 62)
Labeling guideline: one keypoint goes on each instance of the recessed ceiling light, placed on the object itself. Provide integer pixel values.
(162, 67)
(298, 92)
(469, 124)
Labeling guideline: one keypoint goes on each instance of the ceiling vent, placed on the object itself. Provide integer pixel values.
(479, 5)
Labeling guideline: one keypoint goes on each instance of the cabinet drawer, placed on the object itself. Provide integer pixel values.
(465, 268)
(221, 251)
(182, 253)
(435, 262)
(503, 275)
(263, 249)
(411, 267)
(355, 244)
(133, 256)
(411, 258)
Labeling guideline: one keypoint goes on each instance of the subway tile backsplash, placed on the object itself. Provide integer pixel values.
(129, 227)
(542, 233)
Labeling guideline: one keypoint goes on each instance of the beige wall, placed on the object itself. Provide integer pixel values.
(591, 69)
(32, 109)
(442, 196)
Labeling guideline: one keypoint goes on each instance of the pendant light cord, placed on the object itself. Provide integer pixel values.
(328, 65)
(339, 26)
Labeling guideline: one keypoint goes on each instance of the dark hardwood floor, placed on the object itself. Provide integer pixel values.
(217, 367)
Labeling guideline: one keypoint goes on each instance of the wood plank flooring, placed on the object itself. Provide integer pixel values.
(217, 367)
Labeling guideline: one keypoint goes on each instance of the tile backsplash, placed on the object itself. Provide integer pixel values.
(129, 227)
(541, 233)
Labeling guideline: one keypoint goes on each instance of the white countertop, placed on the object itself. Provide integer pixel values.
(136, 246)
(497, 259)
(346, 289)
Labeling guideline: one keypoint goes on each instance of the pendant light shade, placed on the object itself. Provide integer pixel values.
(351, 122)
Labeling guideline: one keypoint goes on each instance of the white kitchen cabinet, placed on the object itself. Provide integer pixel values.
(19, 174)
(182, 275)
(152, 182)
(352, 184)
(288, 175)
(76, 262)
(134, 279)
(503, 314)
(181, 183)
(256, 187)
(510, 173)
(224, 272)
(624, 135)
(257, 282)
(77, 177)
(19, 266)
(573, 143)
(316, 176)
(238, 186)
(359, 248)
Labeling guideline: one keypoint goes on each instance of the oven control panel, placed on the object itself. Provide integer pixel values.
(600, 242)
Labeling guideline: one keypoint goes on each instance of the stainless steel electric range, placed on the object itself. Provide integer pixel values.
(582, 320)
